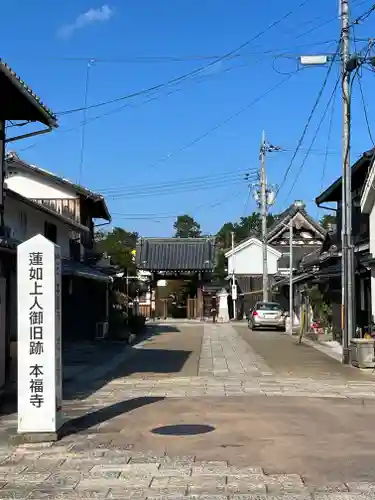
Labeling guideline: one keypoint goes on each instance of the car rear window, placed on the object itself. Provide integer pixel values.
(269, 306)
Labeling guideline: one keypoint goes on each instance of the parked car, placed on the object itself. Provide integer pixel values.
(267, 315)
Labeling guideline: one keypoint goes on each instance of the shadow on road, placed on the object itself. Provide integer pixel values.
(154, 361)
(159, 328)
(96, 370)
(97, 417)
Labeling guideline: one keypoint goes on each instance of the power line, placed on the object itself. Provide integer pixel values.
(194, 72)
(356, 74)
(83, 136)
(327, 145)
(314, 137)
(316, 103)
(188, 58)
(365, 110)
(221, 124)
(223, 200)
(176, 90)
(118, 109)
(173, 182)
(178, 189)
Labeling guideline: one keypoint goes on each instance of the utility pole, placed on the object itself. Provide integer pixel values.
(348, 64)
(263, 210)
(234, 286)
(264, 196)
(347, 246)
(291, 312)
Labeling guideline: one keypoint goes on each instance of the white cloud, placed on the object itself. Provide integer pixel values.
(100, 15)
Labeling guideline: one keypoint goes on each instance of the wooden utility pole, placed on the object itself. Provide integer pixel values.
(263, 212)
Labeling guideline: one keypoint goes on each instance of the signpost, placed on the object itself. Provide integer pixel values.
(39, 339)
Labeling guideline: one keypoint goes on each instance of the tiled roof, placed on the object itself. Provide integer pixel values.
(32, 107)
(298, 254)
(359, 171)
(73, 268)
(101, 210)
(175, 254)
(285, 217)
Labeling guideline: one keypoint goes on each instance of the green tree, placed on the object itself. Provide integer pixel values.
(245, 227)
(118, 244)
(224, 235)
(327, 221)
(186, 226)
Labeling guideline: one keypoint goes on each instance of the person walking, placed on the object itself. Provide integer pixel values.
(213, 308)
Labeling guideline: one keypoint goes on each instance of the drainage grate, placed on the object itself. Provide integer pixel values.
(183, 430)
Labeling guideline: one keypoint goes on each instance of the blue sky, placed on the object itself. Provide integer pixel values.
(130, 146)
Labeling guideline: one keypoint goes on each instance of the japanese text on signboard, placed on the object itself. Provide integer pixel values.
(36, 323)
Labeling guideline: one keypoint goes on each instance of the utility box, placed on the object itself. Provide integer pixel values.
(362, 353)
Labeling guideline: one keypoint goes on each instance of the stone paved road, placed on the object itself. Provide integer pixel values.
(317, 444)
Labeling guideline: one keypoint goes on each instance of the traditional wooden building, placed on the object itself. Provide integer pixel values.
(322, 268)
(17, 102)
(247, 257)
(179, 267)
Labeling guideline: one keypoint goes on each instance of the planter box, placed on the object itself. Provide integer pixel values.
(362, 353)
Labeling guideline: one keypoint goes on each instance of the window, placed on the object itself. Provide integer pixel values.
(50, 231)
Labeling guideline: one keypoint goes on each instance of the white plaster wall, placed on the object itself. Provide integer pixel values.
(14, 211)
(372, 230)
(249, 260)
(33, 185)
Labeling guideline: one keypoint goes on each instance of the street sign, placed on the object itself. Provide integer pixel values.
(234, 292)
(39, 336)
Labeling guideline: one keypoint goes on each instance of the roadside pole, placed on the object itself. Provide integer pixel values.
(347, 247)
(348, 64)
(234, 286)
(291, 276)
(263, 208)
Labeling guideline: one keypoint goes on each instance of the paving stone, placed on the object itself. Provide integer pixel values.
(127, 493)
(168, 492)
(284, 483)
(344, 496)
(25, 477)
(361, 486)
(46, 494)
(245, 486)
(43, 465)
(281, 496)
(331, 488)
(63, 480)
(173, 472)
(16, 492)
(106, 484)
(17, 468)
(244, 471)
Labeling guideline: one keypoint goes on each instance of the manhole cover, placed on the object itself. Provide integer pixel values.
(183, 430)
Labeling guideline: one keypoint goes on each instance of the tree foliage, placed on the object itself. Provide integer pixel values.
(186, 226)
(118, 245)
(327, 221)
(245, 227)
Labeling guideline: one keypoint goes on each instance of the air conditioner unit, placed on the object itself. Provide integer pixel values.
(101, 330)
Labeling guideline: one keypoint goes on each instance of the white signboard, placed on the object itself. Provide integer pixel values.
(39, 336)
(234, 292)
